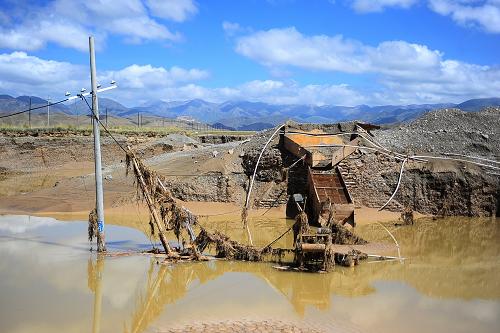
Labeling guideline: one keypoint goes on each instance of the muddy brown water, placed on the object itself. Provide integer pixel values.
(50, 282)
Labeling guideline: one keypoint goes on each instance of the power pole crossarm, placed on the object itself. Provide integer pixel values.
(101, 247)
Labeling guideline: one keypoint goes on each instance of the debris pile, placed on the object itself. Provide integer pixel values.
(149, 183)
(92, 229)
(350, 259)
(227, 248)
(407, 216)
(341, 235)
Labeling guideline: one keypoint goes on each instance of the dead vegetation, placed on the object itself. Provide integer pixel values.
(228, 248)
(166, 214)
(92, 228)
(341, 235)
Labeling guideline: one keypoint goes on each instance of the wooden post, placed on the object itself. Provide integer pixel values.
(152, 209)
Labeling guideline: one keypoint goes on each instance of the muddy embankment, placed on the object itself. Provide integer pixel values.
(438, 187)
(448, 187)
(55, 172)
(52, 171)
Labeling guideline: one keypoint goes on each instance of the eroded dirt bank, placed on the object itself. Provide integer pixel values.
(441, 187)
(53, 172)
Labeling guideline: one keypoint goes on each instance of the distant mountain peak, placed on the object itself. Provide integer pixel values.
(246, 114)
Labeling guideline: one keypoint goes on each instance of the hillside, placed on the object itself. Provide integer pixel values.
(244, 115)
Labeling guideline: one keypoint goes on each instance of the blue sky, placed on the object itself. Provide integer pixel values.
(344, 52)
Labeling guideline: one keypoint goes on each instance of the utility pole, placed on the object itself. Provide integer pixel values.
(76, 109)
(29, 115)
(48, 111)
(101, 246)
(138, 120)
(106, 117)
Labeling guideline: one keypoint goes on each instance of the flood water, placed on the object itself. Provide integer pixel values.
(50, 282)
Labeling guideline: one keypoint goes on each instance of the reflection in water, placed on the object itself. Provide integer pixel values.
(95, 285)
(451, 257)
(449, 283)
(151, 304)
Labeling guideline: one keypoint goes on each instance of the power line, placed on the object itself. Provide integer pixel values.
(31, 109)
(100, 122)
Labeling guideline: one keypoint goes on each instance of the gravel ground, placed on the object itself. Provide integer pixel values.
(267, 326)
(448, 131)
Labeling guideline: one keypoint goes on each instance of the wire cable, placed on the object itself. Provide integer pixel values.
(35, 108)
(103, 126)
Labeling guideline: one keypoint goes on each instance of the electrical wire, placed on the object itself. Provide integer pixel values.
(35, 108)
(103, 126)
(397, 187)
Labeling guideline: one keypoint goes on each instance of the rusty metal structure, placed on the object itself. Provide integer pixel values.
(322, 152)
(331, 205)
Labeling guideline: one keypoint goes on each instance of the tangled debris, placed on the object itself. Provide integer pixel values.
(166, 214)
(301, 226)
(173, 216)
(227, 248)
(92, 228)
(350, 259)
(407, 216)
(341, 235)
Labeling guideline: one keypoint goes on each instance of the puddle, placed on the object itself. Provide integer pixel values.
(50, 282)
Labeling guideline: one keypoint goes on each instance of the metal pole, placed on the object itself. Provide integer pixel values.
(76, 109)
(29, 115)
(138, 122)
(48, 111)
(101, 246)
(106, 117)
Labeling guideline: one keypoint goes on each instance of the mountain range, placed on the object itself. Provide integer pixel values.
(245, 115)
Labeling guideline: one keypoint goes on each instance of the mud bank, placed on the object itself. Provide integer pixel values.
(436, 187)
(57, 167)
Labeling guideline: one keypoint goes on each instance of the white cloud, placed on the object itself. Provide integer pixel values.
(269, 91)
(23, 74)
(31, 37)
(67, 23)
(149, 77)
(485, 14)
(176, 10)
(367, 6)
(409, 72)
(288, 47)
(434, 79)
(481, 13)
(231, 28)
